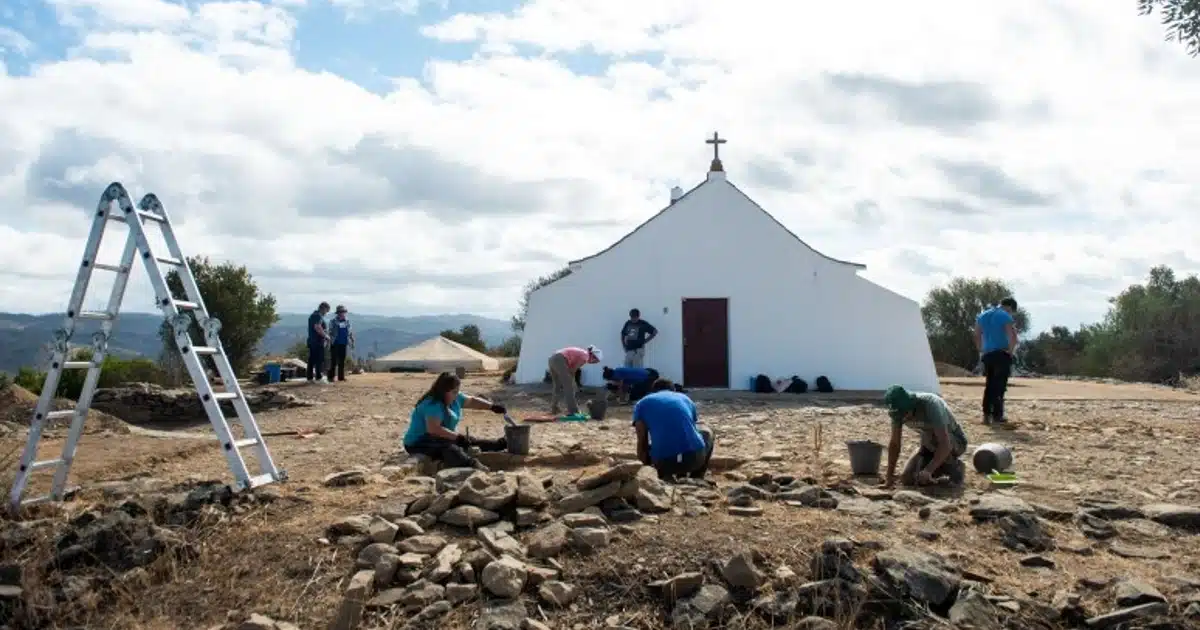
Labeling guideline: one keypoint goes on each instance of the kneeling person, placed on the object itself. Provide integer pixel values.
(431, 427)
(630, 383)
(669, 435)
(943, 440)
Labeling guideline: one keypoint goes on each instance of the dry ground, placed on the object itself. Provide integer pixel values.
(1073, 440)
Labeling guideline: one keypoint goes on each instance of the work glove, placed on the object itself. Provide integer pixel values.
(499, 409)
(462, 441)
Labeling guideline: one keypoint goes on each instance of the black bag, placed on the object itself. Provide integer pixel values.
(762, 385)
(797, 386)
(823, 385)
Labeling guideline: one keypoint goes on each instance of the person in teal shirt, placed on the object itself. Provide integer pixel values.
(432, 427)
(943, 441)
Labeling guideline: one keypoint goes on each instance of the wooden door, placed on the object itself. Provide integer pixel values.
(706, 342)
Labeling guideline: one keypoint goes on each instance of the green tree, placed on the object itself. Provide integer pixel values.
(1151, 332)
(518, 320)
(1180, 18)
(510, 347)
(231, 296)
(1059, 351)
(468, 336)
(949, 313)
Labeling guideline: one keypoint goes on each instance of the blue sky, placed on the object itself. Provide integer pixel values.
(1049, 149)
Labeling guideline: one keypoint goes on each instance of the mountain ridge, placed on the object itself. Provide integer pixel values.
(24, 336)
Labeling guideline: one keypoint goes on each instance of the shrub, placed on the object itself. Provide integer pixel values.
(115, 371)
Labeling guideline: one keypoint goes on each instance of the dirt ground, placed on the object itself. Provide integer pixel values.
(1073, 441)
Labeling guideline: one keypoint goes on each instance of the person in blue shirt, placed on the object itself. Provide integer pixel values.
(317, 338)
(341, 338)
(669, 435)
(996, 339)
(432, 427)
(629, 383)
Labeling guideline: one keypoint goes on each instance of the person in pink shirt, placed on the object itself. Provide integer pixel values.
(563, 365)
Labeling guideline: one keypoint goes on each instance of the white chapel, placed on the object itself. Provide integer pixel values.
(721, 321)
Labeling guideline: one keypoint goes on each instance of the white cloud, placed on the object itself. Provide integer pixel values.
(1043, 143)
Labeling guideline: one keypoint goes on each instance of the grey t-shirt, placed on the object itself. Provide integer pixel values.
(931, 414)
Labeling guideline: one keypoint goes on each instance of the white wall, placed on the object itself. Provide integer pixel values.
(791, 311)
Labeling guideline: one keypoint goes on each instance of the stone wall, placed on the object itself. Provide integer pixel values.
(143, 403)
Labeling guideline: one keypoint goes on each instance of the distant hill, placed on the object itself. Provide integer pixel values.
(23, 337)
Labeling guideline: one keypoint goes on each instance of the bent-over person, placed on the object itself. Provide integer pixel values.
(943, 441)
(562, 366)
(670, 436)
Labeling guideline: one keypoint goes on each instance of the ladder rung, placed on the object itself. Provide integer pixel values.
(225, 396)
(66, 413)
(78, 365)
(186, 305)
(170, 261)
(261, 480)
(246, 442)
(204, 350)
(150, 216)
(100, 315)
(45, 498)
(46, 463)
(104, 267)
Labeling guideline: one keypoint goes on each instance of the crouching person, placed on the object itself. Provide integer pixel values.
(943, 440)
(432, 426)
(669, 435)
(630, 384)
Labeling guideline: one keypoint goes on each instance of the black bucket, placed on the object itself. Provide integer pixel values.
(597, 409)
(865, 456)
(518, 436)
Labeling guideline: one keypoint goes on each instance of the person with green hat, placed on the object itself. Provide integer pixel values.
(943, 440)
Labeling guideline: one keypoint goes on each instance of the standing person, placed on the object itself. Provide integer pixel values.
(635, 334)
(563, 365)
(342, 336)
(432, 427)
(317, 338)
(943, 440)
(669, 434)
(996, 340)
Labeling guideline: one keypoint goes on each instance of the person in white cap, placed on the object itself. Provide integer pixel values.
(563, 365)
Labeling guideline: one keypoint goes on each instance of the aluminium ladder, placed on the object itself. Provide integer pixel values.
(179, 315)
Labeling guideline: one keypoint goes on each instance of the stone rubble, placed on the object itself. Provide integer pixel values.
(501, 537)
(145, 403)
(98, 551)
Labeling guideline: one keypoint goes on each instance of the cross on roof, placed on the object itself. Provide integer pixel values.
(716, 141)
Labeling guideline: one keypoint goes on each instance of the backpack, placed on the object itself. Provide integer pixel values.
(797, 386)
(823, 385)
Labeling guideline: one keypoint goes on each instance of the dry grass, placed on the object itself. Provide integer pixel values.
(268, 560)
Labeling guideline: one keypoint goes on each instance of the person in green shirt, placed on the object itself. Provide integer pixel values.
(943, 440)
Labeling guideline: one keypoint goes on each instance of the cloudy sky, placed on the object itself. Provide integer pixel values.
(426, 156)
